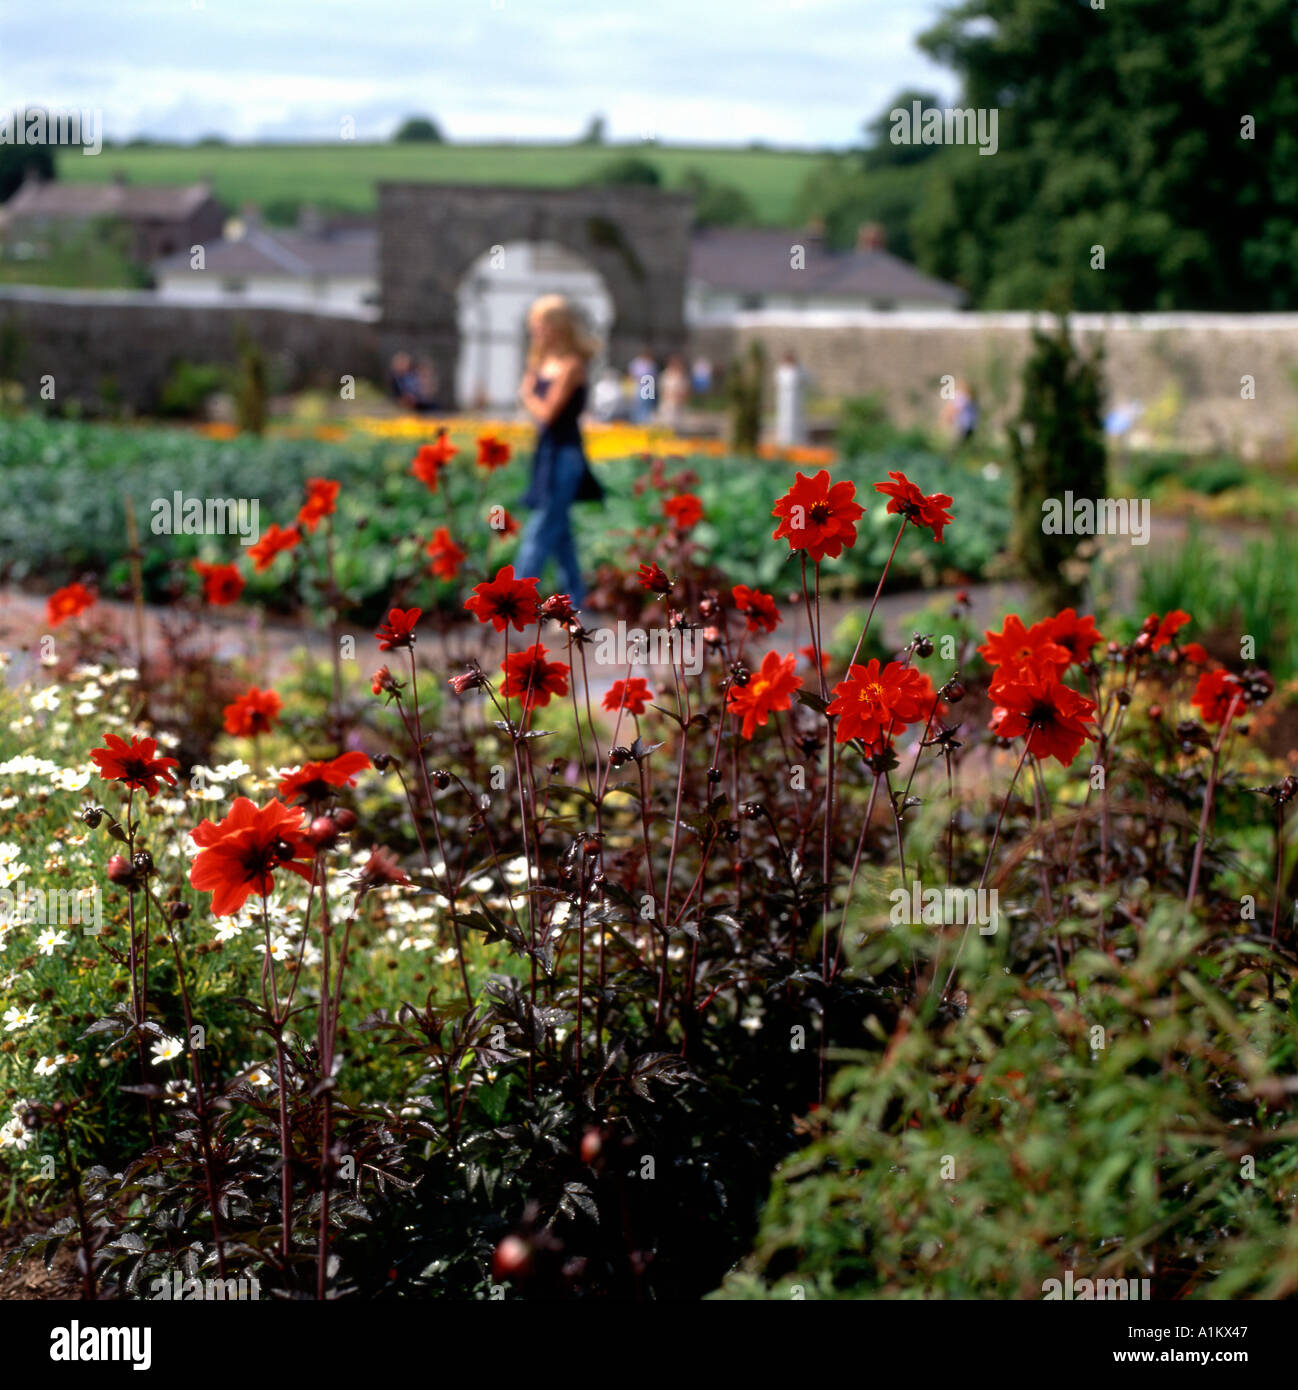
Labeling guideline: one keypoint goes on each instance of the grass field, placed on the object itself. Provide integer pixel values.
(343, 174)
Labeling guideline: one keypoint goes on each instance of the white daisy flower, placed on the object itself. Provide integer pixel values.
(46, 699)
(16, 1018)
(166, 1049)
(47, 1066)
(14, 1134)
(49, 940)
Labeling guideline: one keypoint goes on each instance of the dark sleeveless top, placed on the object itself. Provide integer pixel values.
(562, 434)
(563, 429)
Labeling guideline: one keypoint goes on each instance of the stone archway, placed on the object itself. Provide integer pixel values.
(430, 235)
(492, 304)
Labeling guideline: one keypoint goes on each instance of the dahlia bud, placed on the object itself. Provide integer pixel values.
(715, 774)
(512, 1259)
(143, 862)
(1123, 696)
(1155, 711)
(92, 815)
(344, 819)
(952, 692)
(712, 636)
(710, 605)
(472, 679)
(284, 851)
(383, 682)
(923, 646)
(441, 779)
(559, 607)
(383, 761)
(652, 578)
(323, 832)
(619, 755)
(177, 911)
(119, 870)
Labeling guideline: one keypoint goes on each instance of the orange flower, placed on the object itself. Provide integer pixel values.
(504, 600)
(874, 702)
(68, 602)
(253, 713)
(316, 781)
(273, 540)
(447, 557)
(238, 856)
(768, 690)
(1056, 719)
(493, 452)
(222, 584)
(818, 517)
(135, 763)
(910, 502)
(631, 695)
(321, 501)
(1016, 646)
(685, 511)
(531, 678)
(430, 459)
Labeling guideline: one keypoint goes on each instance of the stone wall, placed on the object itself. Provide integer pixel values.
(1185, 369)
(108, 348)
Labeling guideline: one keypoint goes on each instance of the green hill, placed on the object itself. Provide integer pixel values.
(343, 174)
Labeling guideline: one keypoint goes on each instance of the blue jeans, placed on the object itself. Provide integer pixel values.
(548, 532)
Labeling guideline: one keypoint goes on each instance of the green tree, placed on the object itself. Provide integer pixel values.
(717, 204)
(1162, 139)
(628, 170)
(1057, 446)
(17, 161)
(415, 129)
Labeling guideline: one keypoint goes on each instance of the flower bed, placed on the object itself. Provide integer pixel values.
(491, 981)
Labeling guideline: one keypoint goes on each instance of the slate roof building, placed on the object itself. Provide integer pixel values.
(733, 270)
(161, 220)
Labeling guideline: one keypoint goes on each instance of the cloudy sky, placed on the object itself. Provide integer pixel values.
(796, 72)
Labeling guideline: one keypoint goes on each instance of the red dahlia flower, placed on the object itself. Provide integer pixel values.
(273, 540)
(316, 781)
(685, 511)
(763, 615)
(493, 452)
(652, 578)
(430, 459)
(1056, 719)
(910, 502)
(631, 695)
(533, 679)
(1218, 696)
(222, 584)
(504, 600)
(398, 630)
(135, 763)
(238, 856)
(68, 602)
(769, 690)
(818, 517)
(1076, 635)
(1162, 631)
(253, 713)
(321, 501)
(808, 653)
(447, 557)
(875, 702)
(1016, 646)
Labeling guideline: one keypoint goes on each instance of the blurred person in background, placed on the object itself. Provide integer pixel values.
(674, 388)
(553, 393)
(643, 371)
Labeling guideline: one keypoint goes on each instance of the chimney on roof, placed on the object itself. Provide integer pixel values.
(870, 236)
